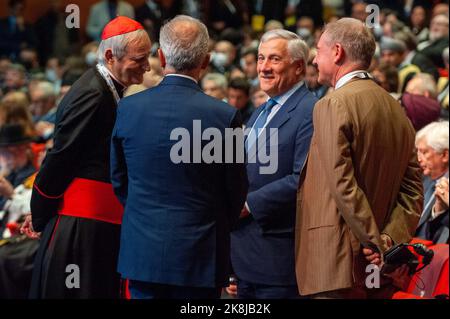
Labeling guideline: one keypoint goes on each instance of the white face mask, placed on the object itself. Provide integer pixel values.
(91, 58)
(242, 63)
(219, 59)
(304, 33)
(50, 74)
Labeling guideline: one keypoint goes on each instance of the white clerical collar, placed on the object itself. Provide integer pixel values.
(183, 76)
(362, 74)
(115, 79)
(281, 99)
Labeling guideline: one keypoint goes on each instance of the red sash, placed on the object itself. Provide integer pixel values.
(90, 199)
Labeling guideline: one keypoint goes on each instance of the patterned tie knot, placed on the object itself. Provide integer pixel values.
(270, 104)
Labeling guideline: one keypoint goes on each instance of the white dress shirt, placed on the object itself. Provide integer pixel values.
(183, 76)
(280, 99)
(346, 78)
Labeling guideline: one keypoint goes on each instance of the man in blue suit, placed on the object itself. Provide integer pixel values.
(262, 246)
(179, 208)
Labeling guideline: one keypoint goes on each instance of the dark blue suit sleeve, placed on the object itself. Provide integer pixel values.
(236, 179)
(119, 177)
(270, 201)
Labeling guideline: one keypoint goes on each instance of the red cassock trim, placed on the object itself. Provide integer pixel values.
(45, 195)
(90, 199)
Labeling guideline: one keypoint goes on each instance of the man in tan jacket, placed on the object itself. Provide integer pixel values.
(361, 191)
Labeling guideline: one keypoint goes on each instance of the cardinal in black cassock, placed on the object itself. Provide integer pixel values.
(73, 203)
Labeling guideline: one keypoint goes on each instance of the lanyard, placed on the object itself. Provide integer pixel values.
(346, 78)
(105, 74)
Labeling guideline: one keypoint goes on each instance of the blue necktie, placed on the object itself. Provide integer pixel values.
(259, 124)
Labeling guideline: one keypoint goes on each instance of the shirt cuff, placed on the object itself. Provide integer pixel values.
(436, 214)
(246, 207)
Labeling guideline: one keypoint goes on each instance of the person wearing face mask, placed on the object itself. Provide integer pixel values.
(103, 12)
(305, 29)
(89, 52)
(53, 72)
(223, 57)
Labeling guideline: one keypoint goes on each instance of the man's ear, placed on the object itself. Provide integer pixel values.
(162, 58)
(339, 53)
(109, 57)
(300, 69)
(206, 61)
(445, 156)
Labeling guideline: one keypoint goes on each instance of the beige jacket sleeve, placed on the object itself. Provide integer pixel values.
(402, 222)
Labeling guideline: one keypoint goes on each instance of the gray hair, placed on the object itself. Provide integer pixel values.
(435, 135)
(118, 44)
(423, 82)
(356, 39)
(445, 55)
(297, 48)
(184, 42)
(219, 79)
(47, 89)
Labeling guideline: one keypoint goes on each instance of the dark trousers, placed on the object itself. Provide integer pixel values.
(248, 290)
(147, 290)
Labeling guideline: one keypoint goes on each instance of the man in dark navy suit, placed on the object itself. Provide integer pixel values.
(262, 246)
(179, 206)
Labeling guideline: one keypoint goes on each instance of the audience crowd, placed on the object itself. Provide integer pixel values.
(39, 62)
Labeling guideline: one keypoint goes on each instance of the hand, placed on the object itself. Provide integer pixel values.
(441, 191)
(386, 241)
(42, 127)
(27, 228)
(6, 189)
(400, 277)
(232, 290)
(372, 257)
(244, 212)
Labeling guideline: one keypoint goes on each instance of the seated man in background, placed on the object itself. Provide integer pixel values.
(15, 166)
(419, 100)
(432, 153)
(215, 85)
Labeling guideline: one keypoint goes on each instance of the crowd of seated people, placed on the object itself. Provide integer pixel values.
(36, 71)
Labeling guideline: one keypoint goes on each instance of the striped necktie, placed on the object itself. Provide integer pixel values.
(259, 124)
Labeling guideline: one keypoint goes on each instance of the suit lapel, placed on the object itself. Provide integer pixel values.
(283, 115)
(280, 118)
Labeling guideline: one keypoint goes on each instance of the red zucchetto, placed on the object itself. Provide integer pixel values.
(120, 25)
